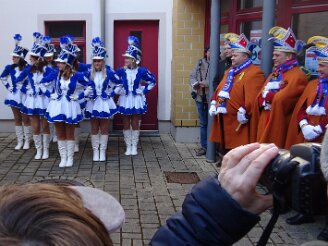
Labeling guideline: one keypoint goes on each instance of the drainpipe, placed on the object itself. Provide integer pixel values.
(267, 23)
(103, 19)
(215, 55)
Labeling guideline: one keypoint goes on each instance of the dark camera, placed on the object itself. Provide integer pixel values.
(295, 179)
(204, 99)
(194, 95)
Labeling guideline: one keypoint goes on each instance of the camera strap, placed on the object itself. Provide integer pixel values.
(268, 229)
(279, 203)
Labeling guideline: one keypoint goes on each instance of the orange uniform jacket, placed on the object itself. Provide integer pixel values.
(295, 134)
(270, 126)
(246, 86)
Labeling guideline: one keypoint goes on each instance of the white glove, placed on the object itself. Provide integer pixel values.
(37, 89)
(264, 93)
(119, 90)
(88, 91)
(74, 97)
(43, 88)
(318, 129)
(29, 92)
(309, 132)
(241, 116)
(53, 96)
(10, 88)
(212, 110)
(98, 92)
(139, 91)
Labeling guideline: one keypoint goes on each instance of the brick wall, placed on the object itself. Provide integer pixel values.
(188, 47)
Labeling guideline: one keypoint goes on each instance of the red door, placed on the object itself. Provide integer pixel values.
(147, 32)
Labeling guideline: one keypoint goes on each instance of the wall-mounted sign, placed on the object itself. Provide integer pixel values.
(311, 62)
(255, 38)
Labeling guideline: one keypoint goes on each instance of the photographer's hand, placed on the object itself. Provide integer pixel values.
(203, 84)
(241, 170)
(195, 86)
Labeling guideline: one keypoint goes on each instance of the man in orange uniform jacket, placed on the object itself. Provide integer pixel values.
(235, 95)
(309, 120)
(281, 91)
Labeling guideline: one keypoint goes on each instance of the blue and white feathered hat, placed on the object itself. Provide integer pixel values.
(19, 51)
(69, 50)
(133, 50)
(38, 49)
(321, 47)
(239, 43)
(98, 49)
(46, 41)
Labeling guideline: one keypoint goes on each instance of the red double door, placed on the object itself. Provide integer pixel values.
(147, 32)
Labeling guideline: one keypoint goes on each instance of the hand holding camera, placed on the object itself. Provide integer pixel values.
(195, 86)
(241, 170)
(203, 84)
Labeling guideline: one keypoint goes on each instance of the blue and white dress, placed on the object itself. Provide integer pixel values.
(83, 68)
(136, 83)
(65, 106)
(101, 104)
(36, 102)
(15, 96)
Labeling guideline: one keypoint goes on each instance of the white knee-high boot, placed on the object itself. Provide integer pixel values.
(27, 136)
(19, 136)
(135, 140)
(70, 152)
(77, 132)
(127, 140)
(95, 147)
(62, 152)
(103, 147)
(46, 142)
(53, 136)
(38, 145)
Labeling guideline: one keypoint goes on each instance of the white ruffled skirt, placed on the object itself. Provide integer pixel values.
(100, 108)
(14, 99)
(132, 104)
(35, 105)
(63, 110)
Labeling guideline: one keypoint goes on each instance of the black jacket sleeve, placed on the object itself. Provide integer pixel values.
(209, 217)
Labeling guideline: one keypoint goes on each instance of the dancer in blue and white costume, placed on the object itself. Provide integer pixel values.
(100, 107)
(82, 68)
(36, 102)
(64, 109)
(49, 59)
(15, 96)
(137, 81)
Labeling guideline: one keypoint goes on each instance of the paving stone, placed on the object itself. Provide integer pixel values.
(138, 183)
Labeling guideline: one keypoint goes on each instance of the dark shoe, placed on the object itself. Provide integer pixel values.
(201, 152)
(323, 235)
(299, 219)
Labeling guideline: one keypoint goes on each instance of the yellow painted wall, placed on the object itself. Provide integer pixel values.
(188, 48)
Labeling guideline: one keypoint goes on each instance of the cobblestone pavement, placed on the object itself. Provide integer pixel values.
(138, 183)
